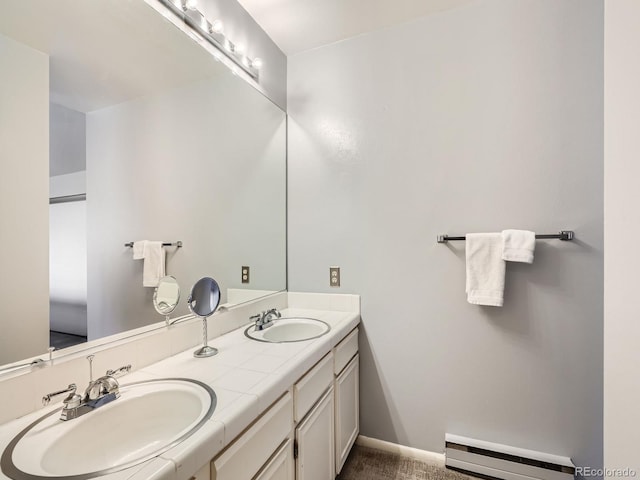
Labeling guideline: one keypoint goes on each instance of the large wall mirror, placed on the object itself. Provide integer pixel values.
(117, 127)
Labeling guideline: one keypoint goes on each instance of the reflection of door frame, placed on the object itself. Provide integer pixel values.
(73, 330)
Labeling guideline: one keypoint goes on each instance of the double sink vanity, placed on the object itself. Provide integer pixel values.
(275, 403)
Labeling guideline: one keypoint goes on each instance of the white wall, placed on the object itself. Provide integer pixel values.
(24, 150)
(204, 164)
(478, 119)
(622, 226)
(67, 141)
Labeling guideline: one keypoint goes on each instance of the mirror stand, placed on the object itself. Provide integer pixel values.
(205, 351)
(203, 301)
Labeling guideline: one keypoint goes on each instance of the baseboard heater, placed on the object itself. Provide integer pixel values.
(493, 460)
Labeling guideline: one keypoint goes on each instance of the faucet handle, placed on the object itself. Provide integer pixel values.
(72, 400)
(90, 359)
(118, 372)
(255, 317)
(276, 312)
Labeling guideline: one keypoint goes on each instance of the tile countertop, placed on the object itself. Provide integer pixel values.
(247, 377)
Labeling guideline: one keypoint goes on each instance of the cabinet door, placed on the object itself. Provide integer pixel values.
(347, 389)
(315, 442)
(203, 474)
(281, 465)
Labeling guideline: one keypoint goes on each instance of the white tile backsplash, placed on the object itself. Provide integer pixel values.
(324, 301)
(18, 396)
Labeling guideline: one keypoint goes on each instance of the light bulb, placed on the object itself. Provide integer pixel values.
(239, 48)
(257, 63)
(217, 26)
(191, 4)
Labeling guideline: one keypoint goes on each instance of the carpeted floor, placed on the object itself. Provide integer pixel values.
(369, 464)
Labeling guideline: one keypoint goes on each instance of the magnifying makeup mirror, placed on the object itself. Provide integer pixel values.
(166, 296)
(203, 301)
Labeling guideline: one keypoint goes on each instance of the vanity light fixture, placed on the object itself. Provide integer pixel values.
(212, 33)
(217, 26)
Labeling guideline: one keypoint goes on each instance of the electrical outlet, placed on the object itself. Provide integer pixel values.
(245, 274)
(334, 276)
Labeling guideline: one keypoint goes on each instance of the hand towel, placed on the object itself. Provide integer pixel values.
(154, 259)
(518, 245)
(138, 249)
(485, 269)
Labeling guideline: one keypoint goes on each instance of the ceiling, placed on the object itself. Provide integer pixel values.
(299, 25)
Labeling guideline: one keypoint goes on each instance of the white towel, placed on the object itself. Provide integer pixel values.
(138, 249)
(518, 245)
(153, 256)
(485, 269)
(153, 269)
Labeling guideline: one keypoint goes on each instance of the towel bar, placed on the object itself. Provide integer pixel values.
(565, 235)
(164, 244)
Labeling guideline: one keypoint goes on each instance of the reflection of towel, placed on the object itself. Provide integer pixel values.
(153, 269)
(485, 269)
(518, 245)
(153, 255)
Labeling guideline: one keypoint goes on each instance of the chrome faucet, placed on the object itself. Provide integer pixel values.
(99, 392)
(265, 319)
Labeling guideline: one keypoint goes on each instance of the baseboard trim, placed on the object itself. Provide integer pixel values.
(430, 458)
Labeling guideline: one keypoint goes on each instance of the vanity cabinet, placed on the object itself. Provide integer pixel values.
(203, 474)
(308, 433)
(347, 419)
(281, 466)
(249, 453)
(314, 439)
(313, 416)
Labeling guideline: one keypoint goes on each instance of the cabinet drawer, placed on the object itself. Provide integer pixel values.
(345, 351)
(250, 452)
(310, 387)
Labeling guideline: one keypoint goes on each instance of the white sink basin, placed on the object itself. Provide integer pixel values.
(289, 330)
(149, 418)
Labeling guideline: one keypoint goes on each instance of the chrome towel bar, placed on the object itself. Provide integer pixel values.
(164, 244)
(564, 235)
